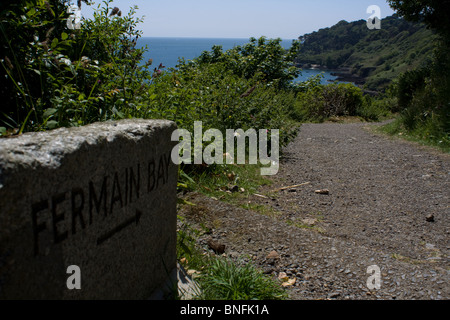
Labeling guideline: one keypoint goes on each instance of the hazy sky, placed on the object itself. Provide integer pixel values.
(286, 19)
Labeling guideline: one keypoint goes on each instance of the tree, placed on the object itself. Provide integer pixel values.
(434, 13)
(264, 57)
(423, 94)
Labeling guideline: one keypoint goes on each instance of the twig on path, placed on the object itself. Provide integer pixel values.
(291, 187)
(260, 195)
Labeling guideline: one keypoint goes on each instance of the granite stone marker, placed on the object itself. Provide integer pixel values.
(100, 197)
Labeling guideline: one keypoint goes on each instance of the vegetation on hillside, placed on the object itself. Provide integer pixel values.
(375, 57)
(407, 61)
(54, 76)
(423, 94)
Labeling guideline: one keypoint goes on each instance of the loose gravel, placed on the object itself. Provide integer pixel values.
(387, 206)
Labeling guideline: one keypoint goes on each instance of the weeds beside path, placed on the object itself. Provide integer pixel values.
(387, 205)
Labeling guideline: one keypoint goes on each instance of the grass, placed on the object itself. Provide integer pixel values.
(420, 135)
(261, 209)
(228, 280)
(229, 183)
(220, 278)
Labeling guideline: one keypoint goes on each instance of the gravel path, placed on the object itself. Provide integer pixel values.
(387, 205)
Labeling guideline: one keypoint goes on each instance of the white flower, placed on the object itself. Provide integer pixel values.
(66, 61)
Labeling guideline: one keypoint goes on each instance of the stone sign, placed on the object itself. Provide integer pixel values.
(101, 198)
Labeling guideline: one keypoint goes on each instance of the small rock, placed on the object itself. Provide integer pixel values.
(290, 282)
(233, 254)
(309, 221)
(430, 218)
(273, 255)
(283, 276)
(334, 295)
(323, 191)
(216, 247)
(268, 270)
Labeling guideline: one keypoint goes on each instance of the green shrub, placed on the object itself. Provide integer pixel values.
(408, 84)
(375, 109)
(220, 99)
(263, 58)
(424, 98)
(322, 102)
(54, 76)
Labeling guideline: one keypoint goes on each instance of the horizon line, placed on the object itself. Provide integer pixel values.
(231, 38)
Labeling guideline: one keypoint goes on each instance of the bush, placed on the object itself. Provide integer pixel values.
(54, 76)
(408, 84)
(424, 98)
(262, 58)
(374, 109)
(222, 100)
(322, 102)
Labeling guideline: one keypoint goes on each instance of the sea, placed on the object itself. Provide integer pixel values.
(167, 51)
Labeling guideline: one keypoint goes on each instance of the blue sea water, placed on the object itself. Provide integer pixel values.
(168, 50)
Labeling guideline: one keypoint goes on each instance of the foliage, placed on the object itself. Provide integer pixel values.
(434, 13)
(220, 99)
(408, 83)
(375, 56)
(54, 76)
(423, 134)
(262, 58)
(376, 108)
(30, 42)
(423, 95)
(322, 102)
(70, 77)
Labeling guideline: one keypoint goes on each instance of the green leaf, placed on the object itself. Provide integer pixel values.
(31, 12)
(185, 248)
(54, 43)
(2, 131)
(64, 36)
(49, 112)
(52, 124)
(118, 113)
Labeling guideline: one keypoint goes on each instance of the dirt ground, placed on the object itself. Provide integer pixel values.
(383, 202)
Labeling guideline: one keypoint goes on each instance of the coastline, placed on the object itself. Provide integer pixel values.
(342, 74)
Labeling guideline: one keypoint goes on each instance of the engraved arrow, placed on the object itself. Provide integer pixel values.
(120, 227)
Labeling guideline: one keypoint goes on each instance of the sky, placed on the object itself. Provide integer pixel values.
(286, 19)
